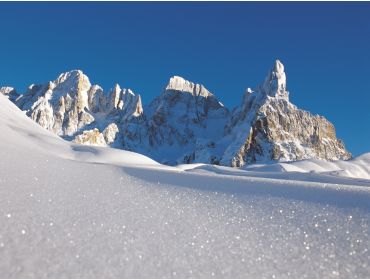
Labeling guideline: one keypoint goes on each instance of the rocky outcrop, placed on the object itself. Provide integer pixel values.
(186, 123)
(94, 137)
(91, 137)
(10, 93)
(110, 133)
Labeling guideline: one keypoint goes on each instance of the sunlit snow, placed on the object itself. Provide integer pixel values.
(76, 211)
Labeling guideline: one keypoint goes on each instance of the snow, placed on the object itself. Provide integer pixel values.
(358, 167)
(68, 210)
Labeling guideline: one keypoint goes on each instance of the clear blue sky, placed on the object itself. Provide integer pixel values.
(225, 46)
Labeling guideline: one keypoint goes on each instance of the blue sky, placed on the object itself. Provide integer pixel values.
(225, 46)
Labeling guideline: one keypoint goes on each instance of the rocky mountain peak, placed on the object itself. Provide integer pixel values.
(74, 81)
(130, 104)
(139, 107)
(115, 95)
(275, 82)
(71, 76)
(6, 90)
(179, 84)
(278, 67)
(184, 100)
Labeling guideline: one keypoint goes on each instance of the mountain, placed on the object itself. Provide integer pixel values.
(186, 123)
(184, 117)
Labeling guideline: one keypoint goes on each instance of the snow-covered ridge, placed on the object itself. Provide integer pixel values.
(184, 124)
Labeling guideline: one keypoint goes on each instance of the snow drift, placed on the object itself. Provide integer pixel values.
(68, 210)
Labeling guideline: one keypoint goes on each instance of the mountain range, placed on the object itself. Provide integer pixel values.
(184, 124)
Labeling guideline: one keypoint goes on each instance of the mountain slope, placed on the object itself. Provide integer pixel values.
(74, 211)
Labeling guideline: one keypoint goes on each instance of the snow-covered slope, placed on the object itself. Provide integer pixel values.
(186, 123)
(358, 167)
(68, 210)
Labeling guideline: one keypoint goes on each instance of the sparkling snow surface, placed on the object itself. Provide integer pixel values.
(73, 211)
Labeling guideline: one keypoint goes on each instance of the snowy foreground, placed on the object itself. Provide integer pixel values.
(75, 211)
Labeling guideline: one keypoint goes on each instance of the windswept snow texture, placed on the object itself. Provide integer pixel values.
(68, 210)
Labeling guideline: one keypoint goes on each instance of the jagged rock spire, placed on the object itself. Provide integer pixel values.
(275, 82)
(115, 95)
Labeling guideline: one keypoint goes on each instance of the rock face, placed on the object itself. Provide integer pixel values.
(186, 123)
(181, 117)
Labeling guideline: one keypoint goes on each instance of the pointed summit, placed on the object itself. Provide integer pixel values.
(179, 84)
(139, 107)
(114, 97)
(275, 82)
(73, 75)
(74, 81)
(278, 67)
